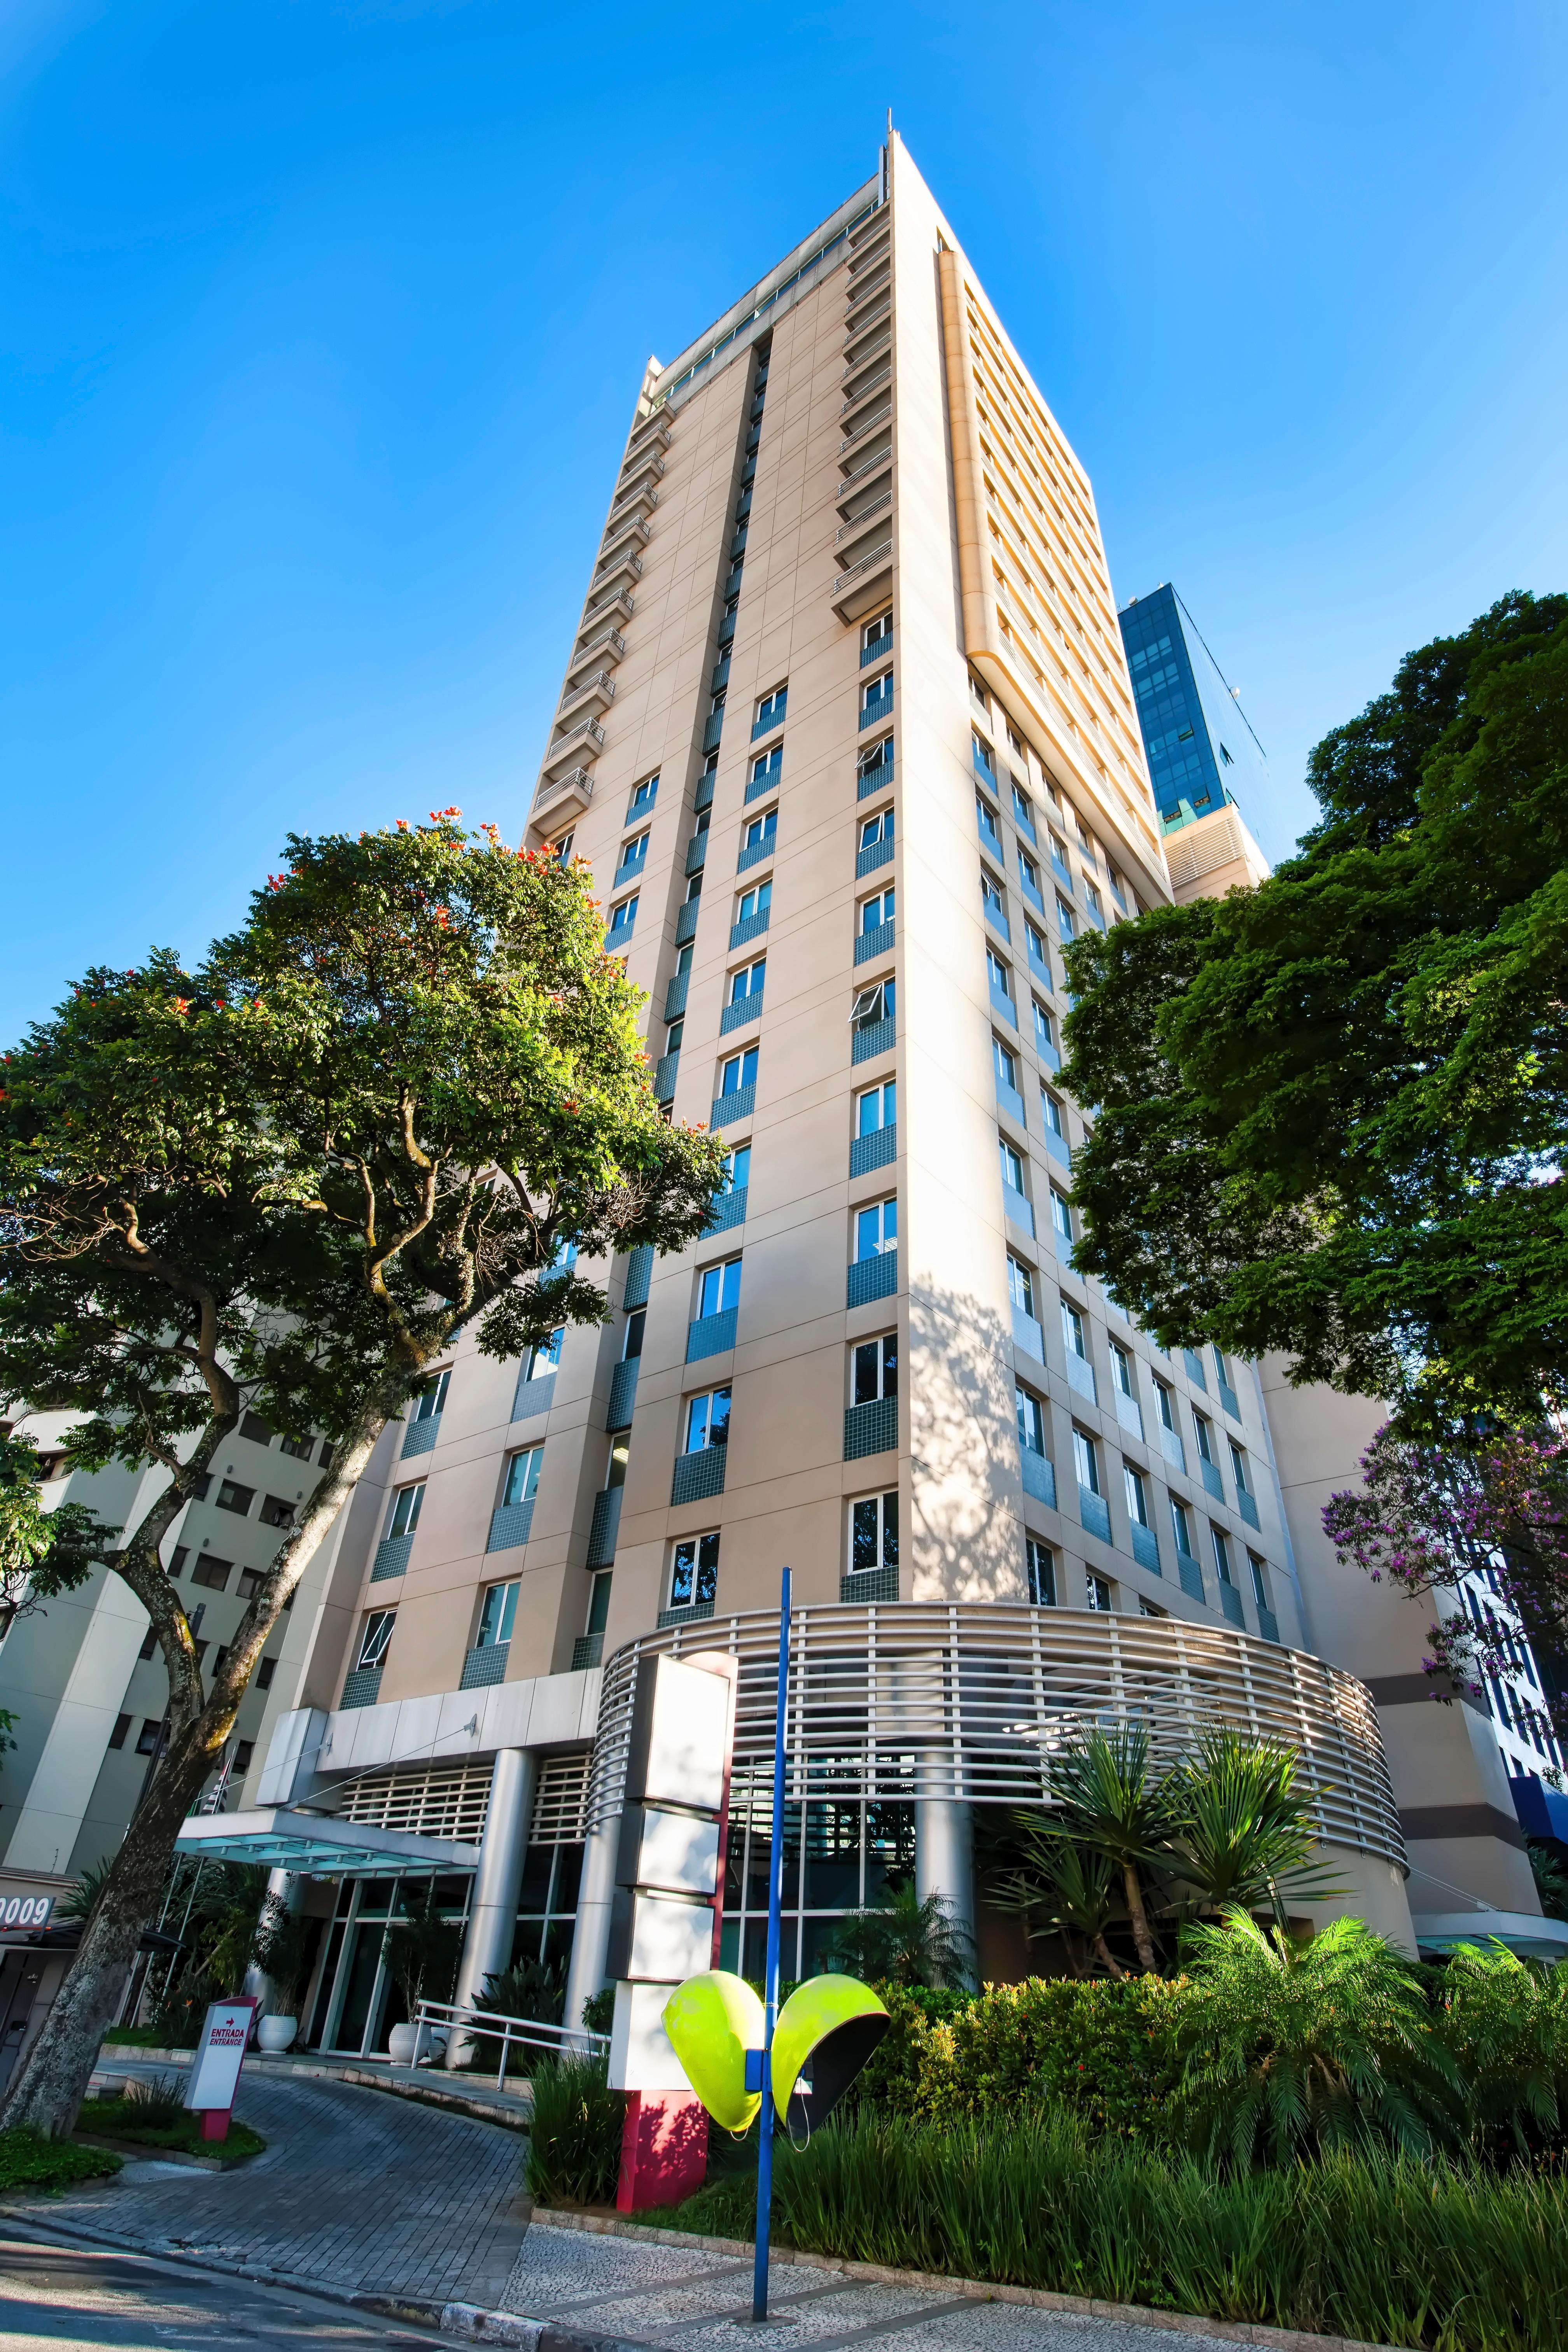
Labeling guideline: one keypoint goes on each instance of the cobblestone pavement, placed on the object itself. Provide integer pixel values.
(358, 2191)
(689, 2300)
(81, 2296)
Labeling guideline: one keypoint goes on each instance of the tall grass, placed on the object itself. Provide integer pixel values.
(575, 2138)
(1370, 2244)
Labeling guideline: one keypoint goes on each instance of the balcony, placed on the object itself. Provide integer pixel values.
(587, 1650)
(710, 1335)
(1146, 1549)
(363, 1687)
(1080, 1376)
(1018, 1209)
(1009, 1099)
(871, 1428)
(1230, 1601)
(391, 1557)
(719, 682)
(640, 1274)
(1194, 1367)
(603, 644)
(686, 922)
(675, 995)
(877, 1037)
(758, 852)
(697, 852)
(1094, 1512)
(590, 694)
(745, 1008)
(865, 388)
(631, 870)
(648, 439)
(1227, 1395)
(617, 575)
(871, 780)
(1190, 1574)
(1267, 1624)
(692, 1615)
(851, 530)
(738, 545)
(1028, 1336)
(872, 1277)
(564, 796)
(712, 731)
(623, 1394)
(728, 1210)
(1209, 1473)
(1026, 825)
(583, 740)
(702, 798)
(626, 539)
(1040, 1476)
(878, 646)
(862, 588)
(877, 940)
(531, 1398)
(877, 705)
(998, 920)
(1032, 896)
(509, 1526)
(869, 1584)
(1248, 1508)
(1057, 1145)
(485, 1665)
(733, 585)
(1173, 1449)
(1039, 970)
(699, 1475)
(605, 607)
(1001, 1001)
(730, 1109)
(877, 1149)
(758, 785)
(1043, 1045)
(665, 1071)
(985, 824)
(1061, 869)
(879, 854)
(1128, 1412)
(606, 1526)
(766, 726)
(420, 1436)
(750, 926)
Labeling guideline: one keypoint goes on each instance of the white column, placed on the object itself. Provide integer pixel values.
(590, 1937)
(492, 1914)
(944, 1859)
(283, 1888)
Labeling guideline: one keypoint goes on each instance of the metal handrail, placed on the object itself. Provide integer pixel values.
(456, 2015)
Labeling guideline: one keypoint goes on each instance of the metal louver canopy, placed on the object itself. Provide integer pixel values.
(282, 1837)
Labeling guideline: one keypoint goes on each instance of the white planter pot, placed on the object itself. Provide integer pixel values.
(274, 2034)
(402, 2043)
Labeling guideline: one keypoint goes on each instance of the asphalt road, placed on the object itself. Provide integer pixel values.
(68, 2295)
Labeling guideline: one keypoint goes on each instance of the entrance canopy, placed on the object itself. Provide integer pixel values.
(286, 1837)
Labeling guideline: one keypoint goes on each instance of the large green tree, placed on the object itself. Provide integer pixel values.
(375, 1117)
(1328, 1112)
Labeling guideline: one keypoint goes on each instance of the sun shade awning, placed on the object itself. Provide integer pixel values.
(286, 1838)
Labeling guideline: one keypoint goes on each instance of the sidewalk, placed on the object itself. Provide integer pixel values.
(470, 2095)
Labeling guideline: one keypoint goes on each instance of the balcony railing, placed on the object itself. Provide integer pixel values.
(712, 731)
(1209, 1473)
(877, 1037)
(710, 1335)
(698, 1476)
(758, 851)
(606, 1526)
(1028, 1334)
(1080, 1376)
(1009, 1099)
(1230, 1601)
(640, 1274)
(871, 780)
(862, 392)
(761, 784)
(630, 870)
(998, 920)
(728, 1210)
(743, 1009)
(1002, 1002)
(587, 1650)
(766, 726)
(420, 1436)
(1062, 871)
(1193, 1366)
(1031, 896)
(1129, 1411)
(1041, 971)
(750, 926)
(877, 1149)
(1057, 1145)
(686, 922)
(1190, 1574)
(702, 798)
(695, 852)
(485, 1665)
(871, 1428)
(1146, 1549)
(738, 1104)
(1040, 1476)
(1227, 1396)
(872, 1277)
(1173, 1449)
(878, 557)
(509, 1525)
(675, 995)
(1019, 1209)
(869, 1584)
(1095, 1512)
(531, 1398)
(850, 529)
(877, 646)
(1267, 1624)
(363, 1687)
(877, 941)
(1248, 1508)
(1043, 1047)
(623, 1393)
(988, 832)
(391, 1557)
(880, 853)
(875, 707)
(1026, 825)
(693, 1611)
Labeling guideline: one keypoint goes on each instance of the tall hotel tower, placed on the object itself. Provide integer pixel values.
(848, 737)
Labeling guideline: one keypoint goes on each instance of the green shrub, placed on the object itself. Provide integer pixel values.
(890, 2079)
(1106, 2052)
(148, 2116)
(1504, 2022)
(575, 2138)
(28, 2161)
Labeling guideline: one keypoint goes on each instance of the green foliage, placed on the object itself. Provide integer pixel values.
(1245, 1828)
(1294, 2048)
(1330, 1109)
(81, 1899)
(901, 1940)
(890, 2079)
(530, 1988)
(1106, 2052)
(27, 2161)
(41, 1552)
(1504, 2023)
(599, 2009)
(575, 2138)
(226, 1931)
(423, 1952)
(283, 1947)
(1550, 1878)
(153, 2121)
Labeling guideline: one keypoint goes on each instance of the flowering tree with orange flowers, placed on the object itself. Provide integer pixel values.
(373, 1117)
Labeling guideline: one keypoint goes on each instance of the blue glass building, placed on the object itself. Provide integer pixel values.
(1199, 746)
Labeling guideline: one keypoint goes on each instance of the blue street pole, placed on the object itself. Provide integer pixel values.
(771, 1987)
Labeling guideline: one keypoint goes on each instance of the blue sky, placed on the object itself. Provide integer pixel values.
(322, 322)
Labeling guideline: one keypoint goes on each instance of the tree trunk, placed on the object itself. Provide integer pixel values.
(1139, 1920)
(1108, 1957)
(52, 2083)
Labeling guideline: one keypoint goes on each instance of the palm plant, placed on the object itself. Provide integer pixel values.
(421, 1953)
(1505, 2020)
(1245, 1830)
(79, 1901)
(1062, 1889)
(1107, 1798)
(899, 1940)
(1550, 1878)
(227, 1927)
(1308, 2045)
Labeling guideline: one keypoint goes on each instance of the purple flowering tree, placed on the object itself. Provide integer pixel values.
(1484, 1518)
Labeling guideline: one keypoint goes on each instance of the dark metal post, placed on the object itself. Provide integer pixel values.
(771, 1986)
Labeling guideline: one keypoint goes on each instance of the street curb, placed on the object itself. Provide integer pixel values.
(263, 2065)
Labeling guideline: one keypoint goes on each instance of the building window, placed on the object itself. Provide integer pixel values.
(1137, 1487)
(1260, 1569)
(497, 1612)
(752, 903)
(635, 852)
(431, 1398)
(759, 833)
(873, 1534)
(632, 1338)
(1020, 1286)
(177, 1565)
(766, 766)
(1205, 1429)
(1122, 1367)
(1222, 1554)
(1005, 1063)
(1086, 1459)
(1074, 1338)
(406, 1505)
(1023, 807)
(707, 1420)
(738, 1073)
(986, 816)
(875, 911)
(375, 1637)
(561, 848)
(1239, 1471)
(623, 916)
(876, 1229)
(873, 1004)
(232, 1496)
(737, 1175)
(1167, 1405)
(522, 1475)
(1096, 1591)
(546, 1356)
(122, 1726)
(1012, 1166)
(876, 830)
(251, 1581)
(1031, 1420)
(264, 1674)
(991, 898)
(997, 973)
(1028, 872)
(771, 708)
(276, 1512)
(874, 759)
(643, 797)
(1061, 1213)
(874, 1368)
(876, 634)
(1065, 925)
(694, 1572)
(1092, 898)
(1052, 1109)
(1181, 1528)
(719, 1288)
(210, 1573)
(148, 1736)
(748, 980)
(1040, 1568)
(877, 1107)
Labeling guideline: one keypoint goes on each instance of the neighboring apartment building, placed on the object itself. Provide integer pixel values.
(847, 735)
(1199, 746)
